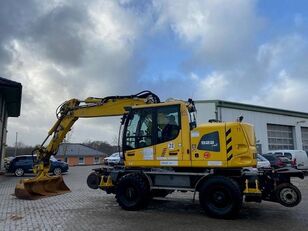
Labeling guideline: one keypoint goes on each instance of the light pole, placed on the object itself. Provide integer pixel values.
(16, 144)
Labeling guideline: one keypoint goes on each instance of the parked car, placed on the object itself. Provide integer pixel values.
(113, 159)
(24, 164)
(298, 158)
(7, 161)
(278, 161)
(262, 162)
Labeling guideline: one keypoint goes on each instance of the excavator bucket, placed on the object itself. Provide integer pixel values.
(35, 188)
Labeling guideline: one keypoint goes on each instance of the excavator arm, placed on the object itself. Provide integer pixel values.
(67, 114)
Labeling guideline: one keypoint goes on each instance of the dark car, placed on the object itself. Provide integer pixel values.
(278, 161)
(24, 164)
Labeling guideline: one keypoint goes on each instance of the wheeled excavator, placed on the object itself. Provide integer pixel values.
(164, 150)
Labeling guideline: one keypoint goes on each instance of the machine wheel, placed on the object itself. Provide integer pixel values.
(93, 180)
(19, 172)
(220, 197)
(57, 171)
(160, 192)
(133, 192)
(288, 195)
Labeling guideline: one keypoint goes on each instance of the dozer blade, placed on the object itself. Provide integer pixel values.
(35, 188)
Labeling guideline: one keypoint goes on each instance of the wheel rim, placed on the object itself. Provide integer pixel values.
(288, 195)
(57, 171)
(19, 172)
(219, 199)
(130, 194)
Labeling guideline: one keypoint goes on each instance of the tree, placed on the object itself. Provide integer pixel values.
(102, 146)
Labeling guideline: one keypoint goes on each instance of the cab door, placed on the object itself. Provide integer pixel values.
(138, 138)
(168, 148)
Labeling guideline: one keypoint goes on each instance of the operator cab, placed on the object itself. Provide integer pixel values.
(155, 133)
(149, 126)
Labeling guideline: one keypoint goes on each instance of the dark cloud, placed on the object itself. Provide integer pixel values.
(70, 49)
(15, 19)
(58, 34)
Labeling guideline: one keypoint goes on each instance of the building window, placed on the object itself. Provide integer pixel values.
(210, 142)
(304, 131)
(81, 160)
(280, 137)
(96, 160)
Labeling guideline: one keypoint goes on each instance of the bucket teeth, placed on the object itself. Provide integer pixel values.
(31, 189)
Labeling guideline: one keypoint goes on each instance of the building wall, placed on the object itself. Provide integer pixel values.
(88, 160)
(258, 119)
(205, 112)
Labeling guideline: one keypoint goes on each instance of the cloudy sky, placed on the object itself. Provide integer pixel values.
(246, 51)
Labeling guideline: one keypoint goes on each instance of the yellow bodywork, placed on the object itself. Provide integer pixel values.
(106, 182)
(252, 191)
(236, 142)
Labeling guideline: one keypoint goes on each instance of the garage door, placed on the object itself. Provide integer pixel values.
(280, 137)
(305, 138)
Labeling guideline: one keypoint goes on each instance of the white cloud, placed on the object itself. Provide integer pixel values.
(68, 53)
(67, 49)
(282, 52)
(285, 72)
(113, 27)
(216, 31)
(211, 86)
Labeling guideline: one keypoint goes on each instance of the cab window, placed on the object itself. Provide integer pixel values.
(139, 129)
(210, 142)
(168, 123)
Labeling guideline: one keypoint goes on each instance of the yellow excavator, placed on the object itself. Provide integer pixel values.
(162, 151)
(67, 114)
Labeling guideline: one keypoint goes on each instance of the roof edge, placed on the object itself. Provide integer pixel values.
(255, 108)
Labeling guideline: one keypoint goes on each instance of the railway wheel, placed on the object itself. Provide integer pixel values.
(288, 195)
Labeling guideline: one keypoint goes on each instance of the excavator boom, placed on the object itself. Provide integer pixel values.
(67, 114)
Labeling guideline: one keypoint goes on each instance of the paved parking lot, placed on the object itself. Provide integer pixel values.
(87, 209)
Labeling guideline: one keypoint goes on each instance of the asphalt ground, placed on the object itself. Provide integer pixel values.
(87, 209)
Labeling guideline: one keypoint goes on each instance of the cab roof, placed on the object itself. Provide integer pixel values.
(169, 103)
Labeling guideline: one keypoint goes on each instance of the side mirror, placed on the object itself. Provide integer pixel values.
(192, 125)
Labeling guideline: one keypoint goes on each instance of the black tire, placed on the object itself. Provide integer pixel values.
(57, 171)
(220, 197)
(288, 195)
(19, 172)
(133, 192)
(93, 180)
(160, 192)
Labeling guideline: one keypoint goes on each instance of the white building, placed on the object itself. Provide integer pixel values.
(275, 128)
